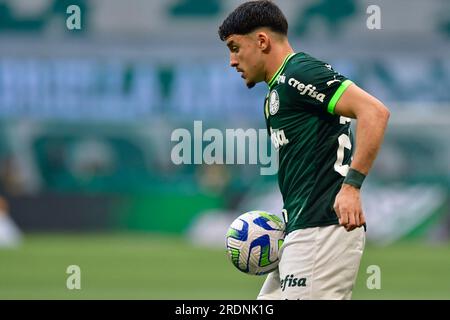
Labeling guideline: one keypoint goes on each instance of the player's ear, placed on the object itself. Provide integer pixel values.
(263, 40)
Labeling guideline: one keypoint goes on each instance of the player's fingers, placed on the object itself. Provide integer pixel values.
(362, 218)
(357, 220)
(351, 221)
(343, 219)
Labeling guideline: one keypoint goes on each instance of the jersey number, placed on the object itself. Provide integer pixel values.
(344, 142)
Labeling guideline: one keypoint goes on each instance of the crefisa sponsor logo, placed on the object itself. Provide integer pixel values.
(307, 89)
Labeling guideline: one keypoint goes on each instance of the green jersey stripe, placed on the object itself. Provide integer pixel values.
(280, 69)
(332, 104)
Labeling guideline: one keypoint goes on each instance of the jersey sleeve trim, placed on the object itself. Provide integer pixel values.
(332, 104)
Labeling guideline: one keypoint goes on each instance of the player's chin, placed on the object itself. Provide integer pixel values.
(250, 84)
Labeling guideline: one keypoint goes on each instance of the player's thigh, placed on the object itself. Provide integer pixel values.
(337, 262)
(296, 265)
(320, 263)
(271, 287)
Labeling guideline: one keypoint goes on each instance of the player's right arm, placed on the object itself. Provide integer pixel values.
(371, 122)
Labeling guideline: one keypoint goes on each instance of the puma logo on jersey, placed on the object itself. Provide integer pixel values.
(278, 138)
(329, 83)
(307, 89)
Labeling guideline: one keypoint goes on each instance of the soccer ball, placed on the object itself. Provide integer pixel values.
(253, 241)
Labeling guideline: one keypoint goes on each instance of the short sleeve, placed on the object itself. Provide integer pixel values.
(314, 84)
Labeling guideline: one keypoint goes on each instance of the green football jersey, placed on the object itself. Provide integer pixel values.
(314, 144)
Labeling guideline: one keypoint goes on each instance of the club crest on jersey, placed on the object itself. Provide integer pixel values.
(274, 102)
(307, 89)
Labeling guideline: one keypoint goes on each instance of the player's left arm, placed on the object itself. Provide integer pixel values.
(371, 122)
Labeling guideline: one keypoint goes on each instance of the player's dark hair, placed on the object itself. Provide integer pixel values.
(252, 15)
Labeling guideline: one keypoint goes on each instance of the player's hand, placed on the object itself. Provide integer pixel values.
(348, 207)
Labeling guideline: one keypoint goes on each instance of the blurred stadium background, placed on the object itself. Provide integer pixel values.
(86, 117)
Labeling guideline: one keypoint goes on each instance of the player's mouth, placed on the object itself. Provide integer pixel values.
(241, 72)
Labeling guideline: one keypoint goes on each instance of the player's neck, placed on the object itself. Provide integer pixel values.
(276, 60)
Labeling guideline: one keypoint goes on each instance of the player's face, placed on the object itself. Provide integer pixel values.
(246, 58)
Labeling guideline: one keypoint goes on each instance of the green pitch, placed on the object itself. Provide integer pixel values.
(157, 267)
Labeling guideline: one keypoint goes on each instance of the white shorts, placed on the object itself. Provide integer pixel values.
(316, 263)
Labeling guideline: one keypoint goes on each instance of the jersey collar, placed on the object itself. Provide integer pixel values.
(280, 69)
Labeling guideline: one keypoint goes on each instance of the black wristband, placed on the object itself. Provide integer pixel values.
(354, 178)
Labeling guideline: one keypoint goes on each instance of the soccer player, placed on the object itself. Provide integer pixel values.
(307, 111)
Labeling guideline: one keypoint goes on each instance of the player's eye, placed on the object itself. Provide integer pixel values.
(234, 49)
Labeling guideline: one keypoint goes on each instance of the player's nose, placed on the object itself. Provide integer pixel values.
(233, 62)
